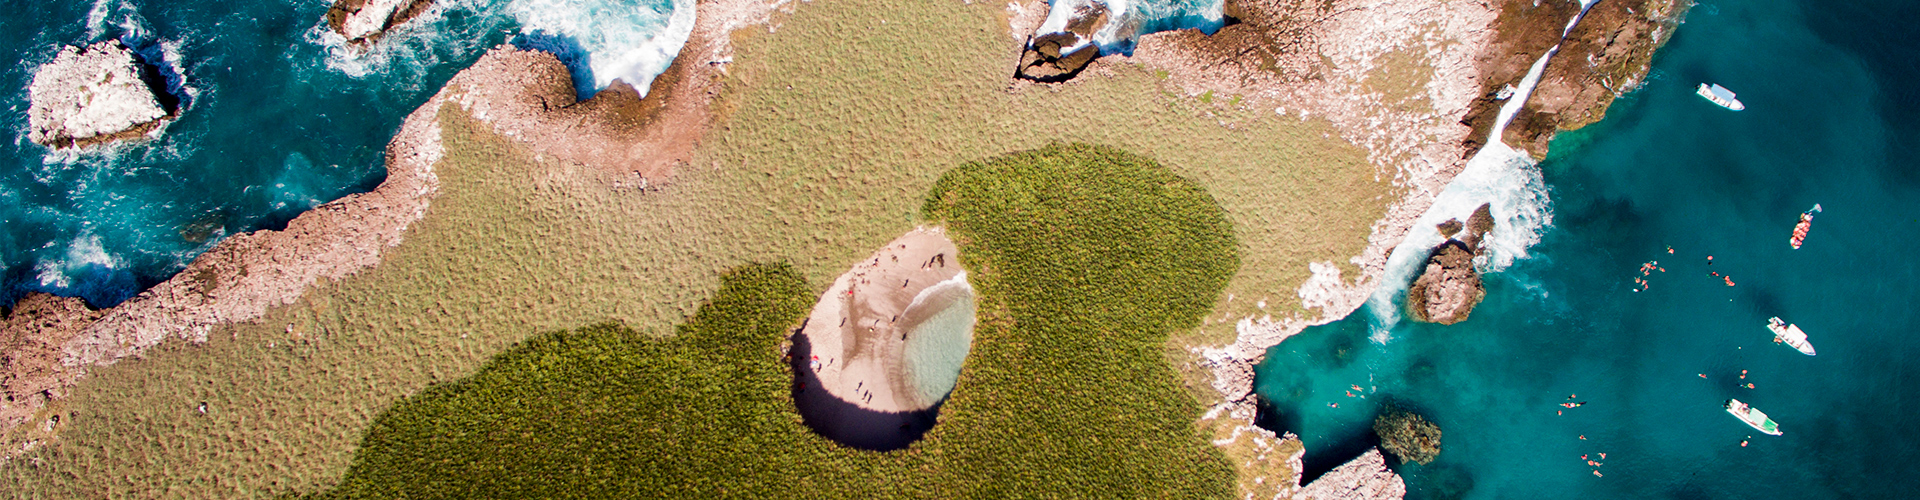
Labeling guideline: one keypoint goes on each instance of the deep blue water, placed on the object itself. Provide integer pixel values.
(1831, 115)
(278, 117)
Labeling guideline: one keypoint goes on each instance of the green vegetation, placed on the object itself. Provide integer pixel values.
(1086, 258)
(606, 412)
(834, 128)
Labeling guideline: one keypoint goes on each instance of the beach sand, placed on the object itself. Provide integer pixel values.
(859, 330)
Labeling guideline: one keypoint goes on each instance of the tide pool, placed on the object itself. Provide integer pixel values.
(279, 116)
(1830, 120)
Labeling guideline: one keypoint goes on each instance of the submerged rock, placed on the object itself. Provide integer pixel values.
(1407, 435)
(363, 21)
(93, 95)
(1450, 287)
(1364, 478)
(1054, 57)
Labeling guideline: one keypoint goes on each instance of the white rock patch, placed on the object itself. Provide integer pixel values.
(87, 93)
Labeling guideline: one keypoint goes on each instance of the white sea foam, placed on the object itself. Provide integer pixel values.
(609, 40)
(84, 252)
(1128, 19)
(631, 43)
(1505, 177)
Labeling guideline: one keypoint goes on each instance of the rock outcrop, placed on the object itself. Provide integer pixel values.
(1058, 56)
(1449, 287)
(95, 94)
(1608, 54)
(30, 344)
(363, 21)
(1407, 435)
(1364, 478)
(524, 95)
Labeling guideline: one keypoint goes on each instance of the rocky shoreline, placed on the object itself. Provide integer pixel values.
(1344, 62)
(526, 95)
(1347, 62)
(1608, 54)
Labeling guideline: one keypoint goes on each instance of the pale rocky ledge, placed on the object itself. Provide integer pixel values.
(362, 21)
(92, 95)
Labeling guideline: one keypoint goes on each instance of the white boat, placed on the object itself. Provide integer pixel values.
(1720, 95)
(1789, 335)
(1753, 417)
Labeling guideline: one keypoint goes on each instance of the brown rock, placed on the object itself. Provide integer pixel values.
(1608, 54)
(1449, 287)
(1364, 478)
(31, 339)
(1044, 60)
(1449, 228)
(363, 21)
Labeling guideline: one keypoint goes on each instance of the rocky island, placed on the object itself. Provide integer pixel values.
(1407, 435)
(363, 21)
(1449, 286)
(96, 94)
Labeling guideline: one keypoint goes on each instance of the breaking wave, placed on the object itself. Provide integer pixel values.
(1137, 17)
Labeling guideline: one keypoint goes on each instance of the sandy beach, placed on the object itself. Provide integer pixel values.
(860, 329)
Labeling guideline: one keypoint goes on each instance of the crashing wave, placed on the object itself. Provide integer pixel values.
(1136, 18)
(1498, 174)
(614, 40)
(600, 40)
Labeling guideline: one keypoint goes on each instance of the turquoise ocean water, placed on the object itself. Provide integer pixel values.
(279, 116)
(1833, 117)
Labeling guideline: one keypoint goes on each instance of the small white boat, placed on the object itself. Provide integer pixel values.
(1753, 417)
(1720, 95)
(1789, 335)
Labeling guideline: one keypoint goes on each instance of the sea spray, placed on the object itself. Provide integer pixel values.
(617, 40)
(1498, 174)
(1129, 19)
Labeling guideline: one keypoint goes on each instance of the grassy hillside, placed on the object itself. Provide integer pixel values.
(1085, 258)
(835, 128)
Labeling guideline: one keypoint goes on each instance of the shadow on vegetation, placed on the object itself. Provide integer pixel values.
(848, 423)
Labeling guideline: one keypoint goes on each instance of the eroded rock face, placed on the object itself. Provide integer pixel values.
(1608, 54)
(1364, 478)
(1054, 57)
(363, 21)
(1449, 287)
(93, 95)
